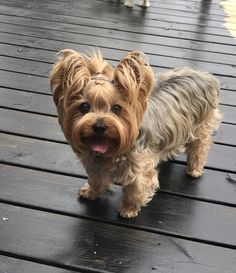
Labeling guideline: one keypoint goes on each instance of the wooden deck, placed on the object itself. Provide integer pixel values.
(190, 226)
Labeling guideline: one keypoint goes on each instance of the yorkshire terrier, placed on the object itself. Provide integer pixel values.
(143, 3)
(121, 122)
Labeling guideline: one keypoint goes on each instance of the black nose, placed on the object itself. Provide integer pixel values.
(99, 127)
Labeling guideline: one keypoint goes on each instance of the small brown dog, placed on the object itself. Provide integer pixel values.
(122, 122)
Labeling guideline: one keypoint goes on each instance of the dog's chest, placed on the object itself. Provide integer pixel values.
(112, 168)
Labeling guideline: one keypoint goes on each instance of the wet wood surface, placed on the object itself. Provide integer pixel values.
(189, 226)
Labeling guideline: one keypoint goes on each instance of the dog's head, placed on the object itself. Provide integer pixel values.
(100, 109)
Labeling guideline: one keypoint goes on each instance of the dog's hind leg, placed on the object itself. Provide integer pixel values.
(197, 150)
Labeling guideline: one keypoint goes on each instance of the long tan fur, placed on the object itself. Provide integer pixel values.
(121, 122)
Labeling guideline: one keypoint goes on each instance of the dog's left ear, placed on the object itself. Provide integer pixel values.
(134, 78)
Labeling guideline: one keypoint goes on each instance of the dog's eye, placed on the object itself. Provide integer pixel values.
(116, 109)
(84, 108)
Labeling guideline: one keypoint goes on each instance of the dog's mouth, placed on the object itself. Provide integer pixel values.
(98, 144)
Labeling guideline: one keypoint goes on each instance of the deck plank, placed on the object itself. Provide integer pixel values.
(83, 244)
(167, 214)
(114, 34)
(45, 127)
(43, 104)
(155, 60)
(31, 48)
(96, 10)
(26, 82)
(9, 265)
(82, 19)
(59, 156)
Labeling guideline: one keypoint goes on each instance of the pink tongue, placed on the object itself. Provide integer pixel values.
(99, 145)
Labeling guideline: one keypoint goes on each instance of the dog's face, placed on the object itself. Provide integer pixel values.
(100, 109)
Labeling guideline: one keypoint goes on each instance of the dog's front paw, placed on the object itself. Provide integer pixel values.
(128, 211)
(194, 173)
(86, 193)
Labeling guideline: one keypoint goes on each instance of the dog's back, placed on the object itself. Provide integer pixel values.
(188, 86)
(182, 101)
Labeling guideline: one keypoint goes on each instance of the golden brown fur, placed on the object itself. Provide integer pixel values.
(121, 122)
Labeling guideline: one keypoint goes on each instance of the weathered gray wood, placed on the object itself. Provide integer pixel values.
(59, 157)
(42, 69)
(82, 244)
(10, 265)
(47, 127)
(24, 82)
(148, 27)
(42, 104)
(131, 36)
(166, 213)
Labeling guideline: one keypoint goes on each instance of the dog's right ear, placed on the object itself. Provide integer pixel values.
(68, 75)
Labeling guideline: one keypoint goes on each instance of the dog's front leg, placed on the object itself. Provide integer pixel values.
(140, 184)
(95, 186)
